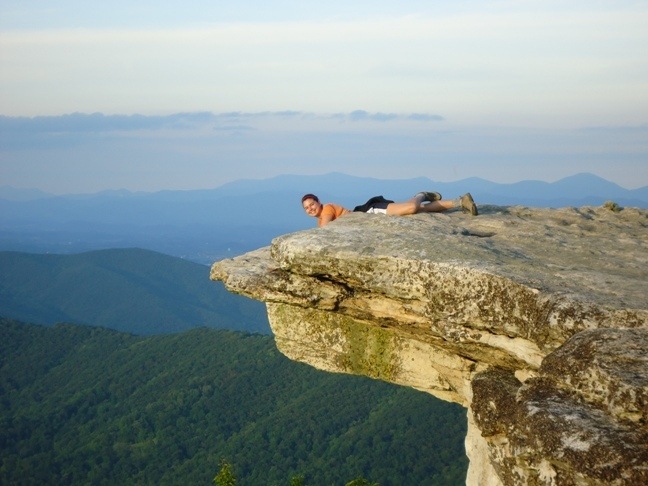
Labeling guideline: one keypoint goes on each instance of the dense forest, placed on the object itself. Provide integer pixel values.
(89, 405)
(131, 290)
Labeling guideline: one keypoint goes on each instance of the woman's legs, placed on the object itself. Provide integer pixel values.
(436, 206)
(415, 205)
(411, 206)
(464, 202)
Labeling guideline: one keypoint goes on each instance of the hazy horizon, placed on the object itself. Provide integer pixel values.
(10, 192)
(191, 95)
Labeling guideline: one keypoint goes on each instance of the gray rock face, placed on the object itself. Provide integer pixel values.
(581, 421)
(534, 319)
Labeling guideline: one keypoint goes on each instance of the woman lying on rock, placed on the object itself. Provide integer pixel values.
(422, 202)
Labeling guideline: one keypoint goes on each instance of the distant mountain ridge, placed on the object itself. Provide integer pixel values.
(583, 186)
(130, 290)
(204, 225)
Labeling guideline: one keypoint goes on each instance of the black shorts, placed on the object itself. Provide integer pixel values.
(376, 204)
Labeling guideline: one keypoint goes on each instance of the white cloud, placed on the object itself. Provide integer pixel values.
(522, 66)
(495, 89)
(79, 153)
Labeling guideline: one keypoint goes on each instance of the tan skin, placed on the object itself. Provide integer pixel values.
(412, 206)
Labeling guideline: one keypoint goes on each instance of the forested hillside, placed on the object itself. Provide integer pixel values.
(131, 290)
(87, 405)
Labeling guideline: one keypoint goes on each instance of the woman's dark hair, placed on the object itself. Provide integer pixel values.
(310, 196)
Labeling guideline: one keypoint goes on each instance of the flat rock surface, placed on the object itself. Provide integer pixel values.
(589, 253)
(534, 319)
(538, 275)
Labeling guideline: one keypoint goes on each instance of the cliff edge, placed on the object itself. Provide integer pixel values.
(536, 320)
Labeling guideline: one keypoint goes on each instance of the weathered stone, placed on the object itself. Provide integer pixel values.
(607, 368)
(534, 319)
(568, 425)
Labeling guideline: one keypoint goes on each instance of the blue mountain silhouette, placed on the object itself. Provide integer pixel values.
(245, 214)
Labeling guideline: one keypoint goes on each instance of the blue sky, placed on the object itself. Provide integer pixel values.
(181, 95)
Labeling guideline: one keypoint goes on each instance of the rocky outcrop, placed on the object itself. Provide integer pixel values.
(536, 320)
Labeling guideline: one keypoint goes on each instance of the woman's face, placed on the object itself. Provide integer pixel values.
(312, 207)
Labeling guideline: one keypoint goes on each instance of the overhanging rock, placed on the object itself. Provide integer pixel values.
(446, 303)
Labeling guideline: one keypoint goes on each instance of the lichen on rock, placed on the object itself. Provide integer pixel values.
(533, 319)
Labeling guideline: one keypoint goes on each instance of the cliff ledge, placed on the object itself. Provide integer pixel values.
(536, 320)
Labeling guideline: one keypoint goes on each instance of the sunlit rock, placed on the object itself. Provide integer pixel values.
(533, 319)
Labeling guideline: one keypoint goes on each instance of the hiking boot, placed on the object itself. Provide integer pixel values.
(468, 204)
(430, 196)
